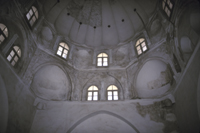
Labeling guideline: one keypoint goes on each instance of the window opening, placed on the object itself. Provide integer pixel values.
(14, 55)
(141, 46)
(3, 33)
(32, 15)
(167, 7)
(92, 93)
(102, 60)
(63, 50)
(112, 92)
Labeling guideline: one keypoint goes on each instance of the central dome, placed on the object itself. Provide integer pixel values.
(97, 23)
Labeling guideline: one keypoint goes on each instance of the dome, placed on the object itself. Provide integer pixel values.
(96, 23)
(51, 83)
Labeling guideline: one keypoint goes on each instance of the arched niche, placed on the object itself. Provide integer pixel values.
(50, 82)
(3, 106)
(103, 121)
(186, 45)
(187, 23)
(102, 81)
(153, 79)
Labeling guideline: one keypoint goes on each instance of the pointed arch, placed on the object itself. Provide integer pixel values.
(102, 112)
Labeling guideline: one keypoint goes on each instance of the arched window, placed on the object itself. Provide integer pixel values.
(63, 50)
(141, 46)
(3, 32)
(14, 55)
(112, 93)
(92, 93)
(167, 7)
(32, 15)
(102, 60)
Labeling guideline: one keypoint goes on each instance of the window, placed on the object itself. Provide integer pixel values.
(32, 15)
(63, 50)
(167, 7)
(3, 32)
(102, 60)
(112, 93)
(141, 46)
(14, 55)
(92, 93)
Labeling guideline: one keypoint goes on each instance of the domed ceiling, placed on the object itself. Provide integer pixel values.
(97, 23)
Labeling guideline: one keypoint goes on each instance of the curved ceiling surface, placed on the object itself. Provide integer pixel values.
(98, 22)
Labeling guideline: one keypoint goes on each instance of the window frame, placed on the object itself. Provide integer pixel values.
(33, 15)
(140, 45)
(3, 34)
(102, 60)
(68, 50)
(112, 93)
(93, 93)
(15, 54)
(165, 5)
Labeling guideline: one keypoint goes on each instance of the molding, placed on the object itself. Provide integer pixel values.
(10, 43)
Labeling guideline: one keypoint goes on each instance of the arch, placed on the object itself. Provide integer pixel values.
(97, 80)
(50, 82)
(101, 112)
(158, 81)
(3, 106)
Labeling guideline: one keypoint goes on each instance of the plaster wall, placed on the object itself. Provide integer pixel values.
(186, 98)
(131, 116)
(20, 110)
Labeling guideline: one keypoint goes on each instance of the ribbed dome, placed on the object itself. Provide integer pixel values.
(98, 22)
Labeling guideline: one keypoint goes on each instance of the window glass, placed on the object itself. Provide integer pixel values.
(167, 6)
(32, 15)
(14, 55)
(102, 59)
(112, 93)
(63, 50)
(3, 32)
(141, 46)
(92, 93)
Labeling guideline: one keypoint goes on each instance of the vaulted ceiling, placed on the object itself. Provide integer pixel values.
(98, 22)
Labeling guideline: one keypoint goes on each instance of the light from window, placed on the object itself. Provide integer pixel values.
(112, 92)
(141, 46)
(32, 15)
(14, 55)
(167, 7)
(3, 32)
(92, 93)
(63, 50)
(102, 59)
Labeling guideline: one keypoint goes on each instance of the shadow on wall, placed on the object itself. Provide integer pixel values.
(3, 106)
